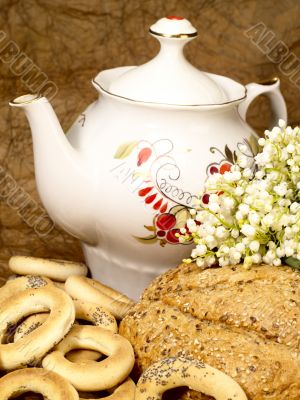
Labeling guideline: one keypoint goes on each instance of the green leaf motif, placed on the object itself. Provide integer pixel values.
(150, 228)
(125, 149)
(235, 158)
(253, 142)
(228, 154)
(174, 210)
(181, 218)
(147, 239)
(292, 262)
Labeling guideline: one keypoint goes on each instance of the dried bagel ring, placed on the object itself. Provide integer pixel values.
(95, 314)
(85, 376)
(98, 316)
(59, 270)
(21, 283)
(77, 356)
(36, 320)
(110, 292)
(180, 371)
(126, 391)
(47, 383)
(29, 325)
(35, 345)
(83, 310)
(87, 289)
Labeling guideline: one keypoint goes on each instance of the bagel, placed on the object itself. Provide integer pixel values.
(95, 314)
(87, 289)
(92, 376)
(99, 317)
(31, 348)
(21, 283)
(47, 383)
(59, 270)
(110, 292)
(180, 371)
(126, 391)
(83, 310)
(77, 356)
(29, 325)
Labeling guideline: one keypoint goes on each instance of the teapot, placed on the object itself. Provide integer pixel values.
(125, 178)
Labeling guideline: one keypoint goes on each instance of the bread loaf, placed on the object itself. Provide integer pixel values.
(244, 322)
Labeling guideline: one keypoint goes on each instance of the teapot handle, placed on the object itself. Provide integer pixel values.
(271, 89)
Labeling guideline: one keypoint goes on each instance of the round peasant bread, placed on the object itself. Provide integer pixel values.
(245, 323)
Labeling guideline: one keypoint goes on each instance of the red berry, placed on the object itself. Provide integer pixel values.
(213, 170)
(226, 167)
(144, 155)
(205, 198)
(171, 236)
(165, 221)
(161, 233)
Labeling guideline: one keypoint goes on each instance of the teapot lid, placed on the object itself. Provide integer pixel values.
(169, 78)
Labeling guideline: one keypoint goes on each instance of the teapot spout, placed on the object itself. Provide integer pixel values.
(61, 173)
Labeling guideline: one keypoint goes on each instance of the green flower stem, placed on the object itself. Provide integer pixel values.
(224, 223)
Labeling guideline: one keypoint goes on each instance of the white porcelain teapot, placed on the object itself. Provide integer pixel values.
(124, 178)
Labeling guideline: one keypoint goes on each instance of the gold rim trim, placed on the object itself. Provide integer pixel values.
(177, 36)
(270, 81)
(35, 98)
(167, 104)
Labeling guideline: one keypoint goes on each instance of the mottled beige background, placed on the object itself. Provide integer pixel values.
(72, 40)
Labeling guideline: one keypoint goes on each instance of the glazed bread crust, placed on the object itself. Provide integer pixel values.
(244, 322)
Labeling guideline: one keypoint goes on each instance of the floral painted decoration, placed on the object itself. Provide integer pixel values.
(251, 214)
(152, 169)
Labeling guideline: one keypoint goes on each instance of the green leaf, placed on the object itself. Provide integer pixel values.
(147, 239)
(174, 210)
(125, 149)
(150, 228)
(253, 141)
(292, 262)
(228, 154)
(181, 218)
(235, 158)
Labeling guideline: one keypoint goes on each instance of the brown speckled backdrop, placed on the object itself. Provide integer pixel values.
(72, 40)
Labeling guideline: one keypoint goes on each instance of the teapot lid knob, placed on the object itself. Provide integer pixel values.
(169, 78)
(173, 27)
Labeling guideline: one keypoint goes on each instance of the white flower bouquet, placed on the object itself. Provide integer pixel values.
(251, 214)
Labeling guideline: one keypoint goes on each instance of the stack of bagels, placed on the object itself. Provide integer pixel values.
(59, 339)
(45, 346)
